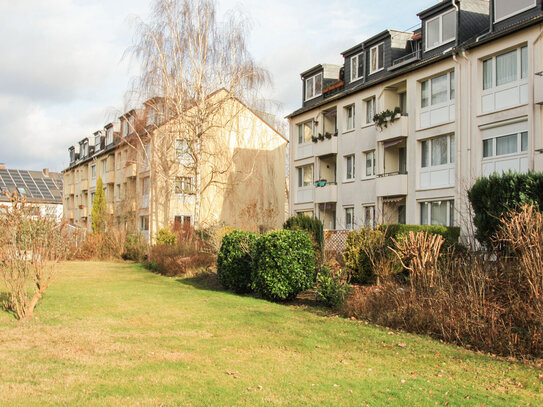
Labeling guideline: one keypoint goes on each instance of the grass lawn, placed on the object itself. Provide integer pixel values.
(116, 334)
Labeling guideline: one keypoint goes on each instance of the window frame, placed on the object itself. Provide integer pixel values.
(450, 221)
(376, 48)
(371, 223)
(355, 60)
(451, 92)
(493, 71)
(314, 94)
(372, 101)
(349, 209)
(373, 160)
(300, 173)
(497, 20)
(351, 167)
(184, 185)
(301, 133)
(441, 40)
(347, 109)
(494, 156)
(451, 156)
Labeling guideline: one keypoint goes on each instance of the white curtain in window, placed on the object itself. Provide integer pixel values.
(318, 84)
(309, 88)
(439, 151)
(506, 68)
(424, 94)
(449, 26)
(524, 141)
(523, 62)
(451, 148)
(424, 154)
(487, 74)
(439, 89)
(432, 33)
(370, 110)
(308, 175)
(488, 148)
(439, 213)
(506, 144)
(424, 213)
(504, 8)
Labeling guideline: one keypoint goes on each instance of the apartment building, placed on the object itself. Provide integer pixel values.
(457, 99)
(243, 171)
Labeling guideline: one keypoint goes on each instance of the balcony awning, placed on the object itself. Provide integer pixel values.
(394, 199)
(392, 143)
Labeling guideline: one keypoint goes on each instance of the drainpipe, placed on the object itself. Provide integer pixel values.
(532, 98)
(457, 21)
(491, 27)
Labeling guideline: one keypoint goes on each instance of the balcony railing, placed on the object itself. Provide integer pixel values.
(414, 56)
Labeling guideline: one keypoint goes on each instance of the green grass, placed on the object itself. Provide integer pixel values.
(115, 334)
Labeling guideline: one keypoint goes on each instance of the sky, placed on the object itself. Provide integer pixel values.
(65, 73)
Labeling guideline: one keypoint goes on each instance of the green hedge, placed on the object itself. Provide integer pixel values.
(234, 261)
(284, 264)
(396, 231)
(492, 197)
(313, 226)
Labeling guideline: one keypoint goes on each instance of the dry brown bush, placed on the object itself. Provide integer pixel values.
(488, 301)
(31, 245)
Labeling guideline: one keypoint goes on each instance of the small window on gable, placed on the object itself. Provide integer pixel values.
(507, 8)
(313, 86)
(441, 29)
(357, 67)
(377, 58)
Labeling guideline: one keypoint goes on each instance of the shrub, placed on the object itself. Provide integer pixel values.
(367, 255)
(332, 286)
(493, 197)
(313, 226)
(399, 231)
(165, 237)
(135, 248)
(177, 260)
(284, 264)
(234, 262)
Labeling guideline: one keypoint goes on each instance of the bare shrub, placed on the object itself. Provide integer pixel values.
(101, 246)
(31, 245)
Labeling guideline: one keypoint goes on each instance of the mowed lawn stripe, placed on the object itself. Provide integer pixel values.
(115, 334)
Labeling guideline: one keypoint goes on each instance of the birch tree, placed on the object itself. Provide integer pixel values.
(187, 56)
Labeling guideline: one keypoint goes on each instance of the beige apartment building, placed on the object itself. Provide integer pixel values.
(465, 92)
(148, 172)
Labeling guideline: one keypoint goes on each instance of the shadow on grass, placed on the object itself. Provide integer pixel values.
(205, 280)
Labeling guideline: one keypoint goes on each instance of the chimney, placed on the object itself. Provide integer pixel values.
(2, 166)
(46, 172)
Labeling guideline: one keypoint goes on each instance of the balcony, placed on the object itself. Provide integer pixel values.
(328, 145)
(130, 169)
(396, 129)
(83, 211)
(110, 177)
(391, 184)
(327, 193)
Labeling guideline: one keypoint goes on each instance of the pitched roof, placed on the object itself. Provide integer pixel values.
(35, 185)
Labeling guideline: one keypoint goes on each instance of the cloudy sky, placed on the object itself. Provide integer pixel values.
(63, 74)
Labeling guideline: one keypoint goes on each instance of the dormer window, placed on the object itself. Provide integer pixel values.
(377, 58)
(313, 86)
(131, 124)
(109, 136)
(124, 128)
(357, 67)
(440, 30)
(507, 8)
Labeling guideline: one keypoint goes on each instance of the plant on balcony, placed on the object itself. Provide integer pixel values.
(383, 118)
(81, 206)
(314, 139)
(328, 135)
(321, 136)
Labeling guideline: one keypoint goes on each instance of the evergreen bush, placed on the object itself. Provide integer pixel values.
(166, 236)
(234, 262)
(284, 264)
(313, 226)
(332, 287)
(495, 196)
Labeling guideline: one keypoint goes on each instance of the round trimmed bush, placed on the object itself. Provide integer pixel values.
(234, 261)
(284, 264)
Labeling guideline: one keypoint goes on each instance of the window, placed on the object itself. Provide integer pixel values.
(369, 216)
(350, 168)
(370, 163)
(437, 151)
(21, 191)
(357, 67)
(305, 132)
(144, 223)
(93, 172)
(349, 118)
(118, 191)
(377, 58)
(313, 86)
(124, 128)
(104, 167)
(439, 213)
(370, 109)
(305, 176)
(184, 185)
(92, 199)
(438, 90)
(505, 68)
(182, 151)
(503, 145)
(109, 135)
(181, 221)
(506, 8)
(145, 186)
(349, 218)
(123, 192)
(441, 30)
